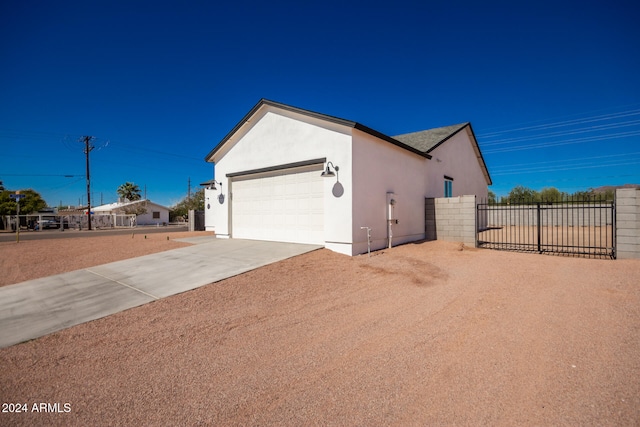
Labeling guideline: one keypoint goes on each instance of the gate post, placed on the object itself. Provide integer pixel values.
(627, 223)
(192, 220)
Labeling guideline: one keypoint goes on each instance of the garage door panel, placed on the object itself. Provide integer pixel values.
(287, 206)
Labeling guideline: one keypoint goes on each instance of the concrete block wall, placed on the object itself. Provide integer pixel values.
(628, 223)
(574, 215)
(452, 219)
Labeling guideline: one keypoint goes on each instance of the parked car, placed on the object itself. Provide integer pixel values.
(49, 223)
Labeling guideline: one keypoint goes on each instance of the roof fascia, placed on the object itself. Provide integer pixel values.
(387, 138)
(448, 137)
(313, 114)
(480, 157)
(476, 147)
(285, 107)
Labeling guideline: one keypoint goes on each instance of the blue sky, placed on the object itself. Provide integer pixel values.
(551, 88)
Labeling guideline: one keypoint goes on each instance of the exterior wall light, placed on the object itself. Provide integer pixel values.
(211, 185)
(327, 173)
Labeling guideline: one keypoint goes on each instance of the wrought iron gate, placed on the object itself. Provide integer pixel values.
(199, 221)
(572, 227)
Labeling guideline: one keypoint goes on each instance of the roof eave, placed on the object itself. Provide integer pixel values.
(391, 140)
(286, 107)
(448, 137)
(479, 156)
(320, 116)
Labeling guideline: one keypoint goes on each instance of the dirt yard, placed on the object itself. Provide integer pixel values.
(422, 334)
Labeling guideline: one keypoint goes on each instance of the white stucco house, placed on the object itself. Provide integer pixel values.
(293, 175)
(155, 214)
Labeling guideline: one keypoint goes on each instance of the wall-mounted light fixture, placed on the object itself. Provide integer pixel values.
(327, 173)
(211, 185)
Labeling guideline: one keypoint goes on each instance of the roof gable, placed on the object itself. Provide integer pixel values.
(331, 119)
(429, 140)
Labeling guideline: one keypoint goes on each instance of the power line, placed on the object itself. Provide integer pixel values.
(505, 128)
(510, 166)
(33, 135)
(559, 143)
(148, 150)
(565, 123)
(563, 133)
(542, 169)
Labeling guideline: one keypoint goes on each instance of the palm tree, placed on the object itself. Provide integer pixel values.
(129, 191)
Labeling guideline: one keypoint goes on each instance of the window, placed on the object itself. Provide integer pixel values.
(448, 186)
(156, 215)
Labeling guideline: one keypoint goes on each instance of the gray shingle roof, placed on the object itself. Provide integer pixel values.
(420, 143)
(427, 140)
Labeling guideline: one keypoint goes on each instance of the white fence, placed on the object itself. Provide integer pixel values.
(549, 214)
(78, 222)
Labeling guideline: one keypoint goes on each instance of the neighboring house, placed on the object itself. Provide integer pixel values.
(155, 214)
(269, 185)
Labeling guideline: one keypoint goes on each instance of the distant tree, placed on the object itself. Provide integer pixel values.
(182, 208)
(491, 198)
(129, 191)
(609, 194)
(551, 194)
(1, 186)
(521, 194)
(32, 202)
(139, 208)
(584, 195)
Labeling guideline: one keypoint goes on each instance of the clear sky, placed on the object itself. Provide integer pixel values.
(552, 89)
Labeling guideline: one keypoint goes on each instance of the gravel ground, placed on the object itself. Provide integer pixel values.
(422, 334)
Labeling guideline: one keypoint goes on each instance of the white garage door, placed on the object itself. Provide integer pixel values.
(282, 206)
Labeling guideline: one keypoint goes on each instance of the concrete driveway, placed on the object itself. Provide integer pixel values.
(39, 307)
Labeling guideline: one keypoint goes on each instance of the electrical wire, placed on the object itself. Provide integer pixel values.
(564, 123)
(563, 133)
(562, 142)
(542, 169)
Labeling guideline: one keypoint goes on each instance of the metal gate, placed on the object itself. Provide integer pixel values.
(583, 228)
(199, 221)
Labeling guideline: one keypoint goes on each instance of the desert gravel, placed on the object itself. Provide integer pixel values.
(422, 334)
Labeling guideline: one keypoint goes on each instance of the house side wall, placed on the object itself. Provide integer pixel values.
(382, 168)
(278, 139)
(457, 159)
(148, 219)
(145, 218)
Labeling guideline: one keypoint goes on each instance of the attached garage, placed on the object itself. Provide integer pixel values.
(291, 175)
(285, 205)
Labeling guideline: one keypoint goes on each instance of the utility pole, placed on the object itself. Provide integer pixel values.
(189, 191)
(87, 149)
